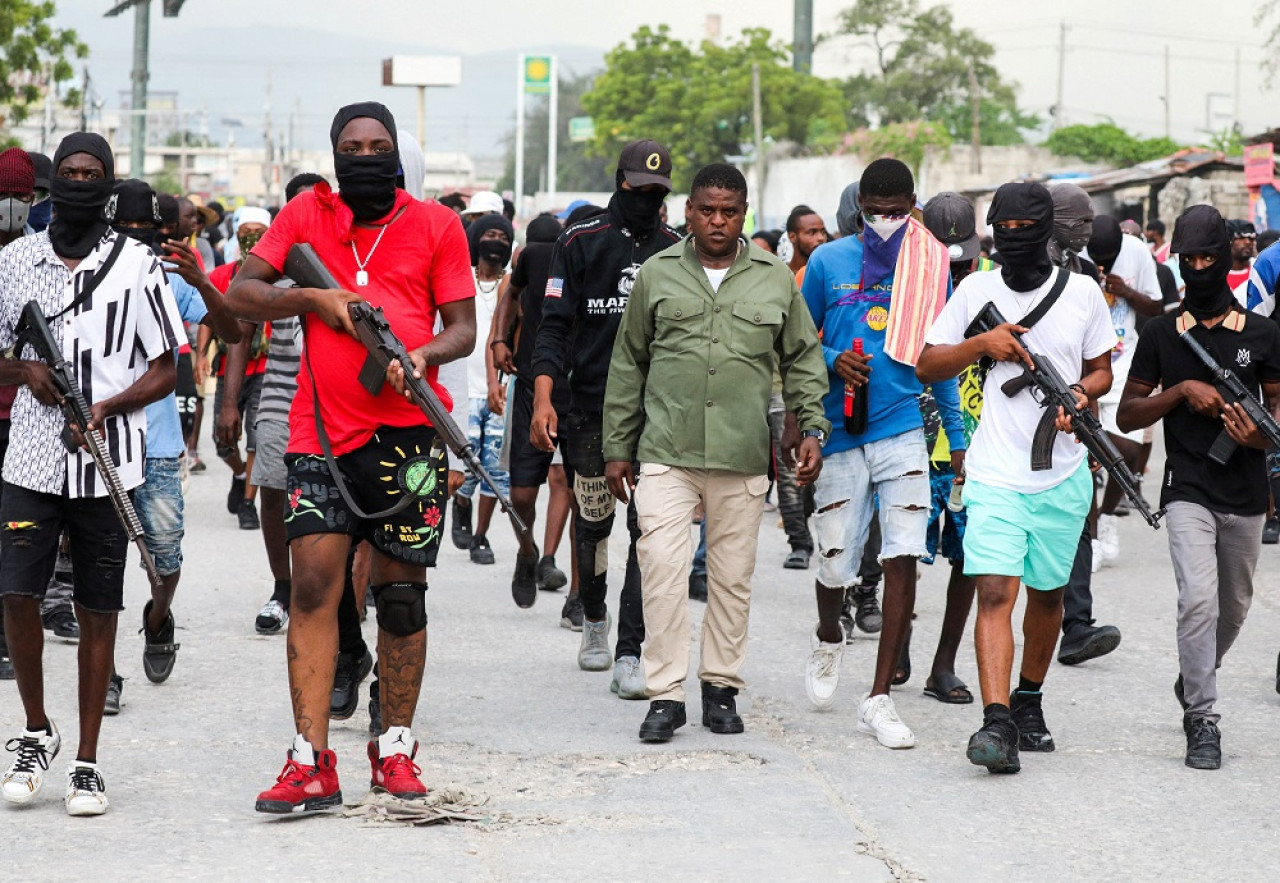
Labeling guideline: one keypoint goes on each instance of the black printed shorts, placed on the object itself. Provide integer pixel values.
(395, 461)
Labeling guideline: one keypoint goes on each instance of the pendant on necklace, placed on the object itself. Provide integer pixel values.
(362, 278)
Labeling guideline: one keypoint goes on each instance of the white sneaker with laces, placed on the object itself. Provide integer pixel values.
(628, 678)
(594, 653)
(877, 716)
(822, 671)
(35, 751)
(1097, 557)
(86, 791)
(1109, 537)
(272, 618)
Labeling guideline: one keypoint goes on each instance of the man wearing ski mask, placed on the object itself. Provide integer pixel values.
(1023, 525)
(592, 270)
(47, 489)
(409, 258)
(1215, 511)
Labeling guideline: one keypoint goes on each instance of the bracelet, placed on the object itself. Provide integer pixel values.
(1084, 392)
(505, 343)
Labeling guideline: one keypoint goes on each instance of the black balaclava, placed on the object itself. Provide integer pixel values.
(544, 228)
(1072, 226)
(1105, 243)
(493, 251)
(1201, 230)
(367, 184)
(1024, 251)
(639, 208)
(79, 222)
(134, 200)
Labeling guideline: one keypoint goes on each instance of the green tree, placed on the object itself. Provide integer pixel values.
(922, 71)
(191, 139)
(575, 169)
(32, 53)
(908, 142)
(1108, 143)
(697, 100)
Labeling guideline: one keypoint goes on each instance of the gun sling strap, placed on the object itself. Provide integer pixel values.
(98, 275)
(986, 363)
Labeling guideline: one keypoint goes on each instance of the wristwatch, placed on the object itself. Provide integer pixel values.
(815, 433)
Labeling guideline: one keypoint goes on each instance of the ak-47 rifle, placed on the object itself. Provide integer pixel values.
(33, 328)
(1232, 389)
(304, 267)
(1051, 392)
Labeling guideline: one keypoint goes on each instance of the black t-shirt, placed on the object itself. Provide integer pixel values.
(1161, 358)
(530, 276)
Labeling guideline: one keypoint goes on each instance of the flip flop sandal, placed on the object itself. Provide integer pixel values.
(944, 689)
(904, 662)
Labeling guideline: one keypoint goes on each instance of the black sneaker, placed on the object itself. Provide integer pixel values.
(1204, 743)
(480, 551)
(571, 614)
(524, 582)
(461, 525)
(1271, 532)
(664, 718)
(248, 515)
(375, 710)
(1182, 699)
(1028, 717)
(698, 587)
(159, 652)
(62, 622)
(995, 746)
(114, 688)
(235, 496)
(549, 576)
(720, 709)
(1087, 642)
(347, 677)
(6, 668)
(867, 617)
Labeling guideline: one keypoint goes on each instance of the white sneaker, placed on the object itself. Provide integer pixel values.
(628, 679)
(1109, 537)
(25, 777)
(1097, 556)
(822, 671)
(594, 653)
(86, 792)
(877, 716)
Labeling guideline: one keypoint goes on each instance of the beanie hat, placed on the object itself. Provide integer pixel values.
(17, 173)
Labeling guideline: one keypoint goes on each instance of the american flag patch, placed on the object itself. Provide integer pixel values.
(555, 287)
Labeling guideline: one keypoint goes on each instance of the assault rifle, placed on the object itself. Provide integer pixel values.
(1232, 390)
(33, 328)
(304, 267)
(1051, 392)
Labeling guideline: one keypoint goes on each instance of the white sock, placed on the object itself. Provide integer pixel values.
(396, 740)
(303, 752)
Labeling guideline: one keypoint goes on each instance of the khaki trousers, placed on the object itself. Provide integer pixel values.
(665, 498)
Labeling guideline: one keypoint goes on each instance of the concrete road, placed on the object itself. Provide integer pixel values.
(800, 796)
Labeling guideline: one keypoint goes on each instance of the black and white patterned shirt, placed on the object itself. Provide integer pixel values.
(130, 319)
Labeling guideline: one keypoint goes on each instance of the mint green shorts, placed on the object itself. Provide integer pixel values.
(1031, 536)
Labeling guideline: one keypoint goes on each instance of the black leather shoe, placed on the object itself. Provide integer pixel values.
(720, 709)
(375, 710)
(698, 587)
(1088, 642)
(347, 678)
(1204, 743)
(664, 718)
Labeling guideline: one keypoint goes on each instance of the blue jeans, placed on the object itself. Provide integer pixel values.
(159, 503)
(484, 431)
(699, 567)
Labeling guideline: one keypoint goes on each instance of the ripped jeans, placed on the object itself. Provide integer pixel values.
(895, 469)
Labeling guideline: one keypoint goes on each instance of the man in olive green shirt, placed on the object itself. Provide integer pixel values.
(688, 397)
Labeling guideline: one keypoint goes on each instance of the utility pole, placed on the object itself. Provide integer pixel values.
(1237, 109)
(553, 127)
(519, 200)
(1062, 73)
(84, 101)
(46, 121)
(759, 127)
(268, 146)
(1168, 130)
(802, 38)
(975, 105)
(141, 75)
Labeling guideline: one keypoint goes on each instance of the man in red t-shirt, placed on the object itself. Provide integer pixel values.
(411, 259)
(1244, 248)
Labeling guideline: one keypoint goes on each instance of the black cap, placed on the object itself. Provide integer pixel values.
(133, 200)
(44, 169)
(1238, 228)
(645, 162)
(952, 220)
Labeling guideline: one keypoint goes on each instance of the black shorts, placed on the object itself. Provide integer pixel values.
(32, 525)
(394, 462)
(186, 393)
(526, 465)
(247, 405)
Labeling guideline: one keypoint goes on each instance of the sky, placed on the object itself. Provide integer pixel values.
(219, 55)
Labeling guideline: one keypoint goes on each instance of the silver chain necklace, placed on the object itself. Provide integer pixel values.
(362, 277)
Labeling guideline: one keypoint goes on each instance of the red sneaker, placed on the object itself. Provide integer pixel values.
(302, 788)
(398, 774)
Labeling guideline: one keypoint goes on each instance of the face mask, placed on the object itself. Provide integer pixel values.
(1207, 293)
(248, 240)
(1024, 255)
(884, 225)
(367, 184)
(145, 235)
(640, 209)
(13, 214)
(494, 251)
(79, 223)
(40, 215)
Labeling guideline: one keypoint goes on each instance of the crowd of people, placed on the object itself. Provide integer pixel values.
(854, 380)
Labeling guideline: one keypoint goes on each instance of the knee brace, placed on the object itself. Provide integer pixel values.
(595, 501)
(402, 607)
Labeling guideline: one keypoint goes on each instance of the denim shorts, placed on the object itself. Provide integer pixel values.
(894, 469)
(946, 528)
(1031, 536)
(159, 503)
(485, 430)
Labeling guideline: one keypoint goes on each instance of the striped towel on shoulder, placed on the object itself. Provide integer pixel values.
(919, 293)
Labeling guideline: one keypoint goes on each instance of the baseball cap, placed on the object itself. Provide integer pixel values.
(483, 202)
(950, 218)
(571, 207)
(645, 162)
(1240, 229)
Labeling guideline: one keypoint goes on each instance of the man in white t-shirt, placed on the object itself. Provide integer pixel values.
(1023, 523)
(1131, 289)
(490, 237)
